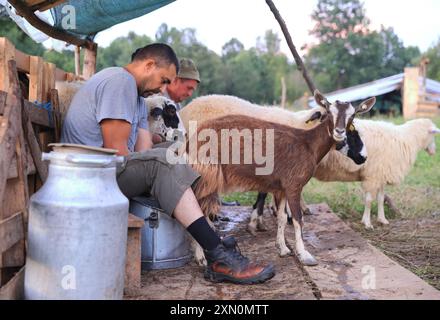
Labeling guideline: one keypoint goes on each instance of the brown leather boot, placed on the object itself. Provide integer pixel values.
(226, 263)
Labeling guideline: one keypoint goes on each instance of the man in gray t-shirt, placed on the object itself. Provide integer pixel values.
(109, 111)
(110, 94)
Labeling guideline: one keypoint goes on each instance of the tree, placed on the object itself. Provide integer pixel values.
(349, 53)
(433, 54)
(231, 48)
(336, 19)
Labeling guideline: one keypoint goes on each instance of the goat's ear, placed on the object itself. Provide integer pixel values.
(434, 130)
(316, 116)
(366, 106)
(321, 100)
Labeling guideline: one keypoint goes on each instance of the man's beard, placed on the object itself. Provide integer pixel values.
(148, 93)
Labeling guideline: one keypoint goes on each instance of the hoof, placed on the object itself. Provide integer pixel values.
(285, 252)
(384, 222)
(307, 212)
(252, 231)
(308, 260)
(261, 227)
(202, 262)
(368, 226)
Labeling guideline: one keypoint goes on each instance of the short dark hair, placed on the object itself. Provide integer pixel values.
(162, 53)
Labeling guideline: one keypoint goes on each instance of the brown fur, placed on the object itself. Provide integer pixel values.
(296, 154)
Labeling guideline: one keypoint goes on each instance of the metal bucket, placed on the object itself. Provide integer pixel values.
(165, 242)
(77, 231)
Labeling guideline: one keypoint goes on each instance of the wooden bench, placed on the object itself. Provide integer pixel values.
(133, 259)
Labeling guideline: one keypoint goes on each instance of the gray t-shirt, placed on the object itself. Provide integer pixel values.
(109, 94)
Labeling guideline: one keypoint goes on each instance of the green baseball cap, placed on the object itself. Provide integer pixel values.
(188, 70)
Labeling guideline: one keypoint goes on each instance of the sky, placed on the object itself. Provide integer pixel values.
(417, 23)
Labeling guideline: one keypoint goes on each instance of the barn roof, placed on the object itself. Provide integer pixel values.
(377, 88)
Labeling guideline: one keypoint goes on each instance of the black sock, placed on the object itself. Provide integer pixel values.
(204, 234)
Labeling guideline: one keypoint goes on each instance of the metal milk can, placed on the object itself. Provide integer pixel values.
(77, 233)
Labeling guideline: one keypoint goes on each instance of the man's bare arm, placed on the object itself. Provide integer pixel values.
(144, 140)
(115, 134)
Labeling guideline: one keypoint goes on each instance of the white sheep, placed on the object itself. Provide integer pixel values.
(392, 151)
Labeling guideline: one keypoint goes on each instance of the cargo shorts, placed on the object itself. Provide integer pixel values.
(149, 172)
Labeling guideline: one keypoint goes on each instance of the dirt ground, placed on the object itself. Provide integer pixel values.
(347, 263)
(414, 243)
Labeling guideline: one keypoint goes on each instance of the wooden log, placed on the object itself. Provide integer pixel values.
(14, 289)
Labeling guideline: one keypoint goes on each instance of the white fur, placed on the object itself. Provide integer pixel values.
(392, 151)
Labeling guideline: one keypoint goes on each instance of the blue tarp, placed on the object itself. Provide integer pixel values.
(93, 16)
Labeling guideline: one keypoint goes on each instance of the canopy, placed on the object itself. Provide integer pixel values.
(92, 16)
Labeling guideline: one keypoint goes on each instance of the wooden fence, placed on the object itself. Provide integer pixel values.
(29, 120)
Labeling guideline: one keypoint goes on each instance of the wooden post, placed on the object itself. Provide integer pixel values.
(77, 61)
(89, 66)
(411, 89)
(7, 52)
(283, 92)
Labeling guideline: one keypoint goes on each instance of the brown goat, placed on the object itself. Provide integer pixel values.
(296, 154)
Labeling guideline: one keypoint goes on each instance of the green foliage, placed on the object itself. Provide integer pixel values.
(349, 53)
(20, 39)
(433, 54)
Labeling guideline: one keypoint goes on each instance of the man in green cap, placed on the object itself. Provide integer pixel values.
(184, 85)
(180, 89)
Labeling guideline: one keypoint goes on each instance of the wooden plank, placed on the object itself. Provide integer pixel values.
(7, 52)
(34, 146)
(36, 79)
(14, 289)
(50, 5)
(89, 64)
(2, 102)
(49, 71)
(135, 222)
(8, 137)
(13, 173)
(14, 256)
(23, 61)
(11, 231)
(54, 100)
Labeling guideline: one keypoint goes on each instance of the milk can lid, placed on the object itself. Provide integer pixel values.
(80, 149)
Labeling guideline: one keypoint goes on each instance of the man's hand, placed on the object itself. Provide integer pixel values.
(115, 134)
(144, 140)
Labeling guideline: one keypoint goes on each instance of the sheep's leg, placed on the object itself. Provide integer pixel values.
(304, 256)
(380, 207)
(282, 221)
(256, 222)
(366, 219)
